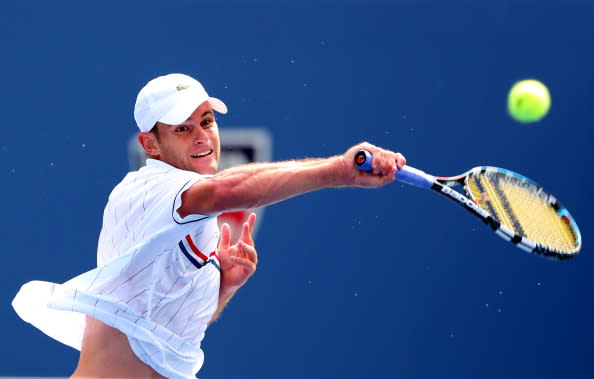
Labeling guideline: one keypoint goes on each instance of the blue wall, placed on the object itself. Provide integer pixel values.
(353, 283)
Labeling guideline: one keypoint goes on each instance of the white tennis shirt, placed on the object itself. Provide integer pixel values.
(157, 278)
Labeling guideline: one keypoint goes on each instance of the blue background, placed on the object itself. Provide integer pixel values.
(352, 283)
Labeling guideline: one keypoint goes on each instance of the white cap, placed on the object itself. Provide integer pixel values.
(171, 99)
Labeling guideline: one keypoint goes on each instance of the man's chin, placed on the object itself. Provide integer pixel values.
(204, 168)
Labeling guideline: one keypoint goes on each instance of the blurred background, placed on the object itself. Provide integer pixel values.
(352, 283)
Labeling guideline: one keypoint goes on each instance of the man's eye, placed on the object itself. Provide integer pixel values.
(180, 129)
(207, 122)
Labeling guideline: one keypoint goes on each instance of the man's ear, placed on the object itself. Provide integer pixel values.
(149, 143)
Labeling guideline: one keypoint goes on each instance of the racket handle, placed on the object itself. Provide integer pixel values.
(406, 174)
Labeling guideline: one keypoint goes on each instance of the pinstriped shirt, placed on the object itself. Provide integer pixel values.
(157, 278)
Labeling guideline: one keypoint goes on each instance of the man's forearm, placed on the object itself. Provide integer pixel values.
(260, 184)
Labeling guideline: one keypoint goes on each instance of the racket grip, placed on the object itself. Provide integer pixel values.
(414, 177)
(407, 174)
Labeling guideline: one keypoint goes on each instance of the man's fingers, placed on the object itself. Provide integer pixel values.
(400, 160)
(244, 262)
(225, 241)
(248, 229)
(249, 251)
(252, 221)
(386, 163)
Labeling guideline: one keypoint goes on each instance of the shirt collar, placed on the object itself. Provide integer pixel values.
(156, 163)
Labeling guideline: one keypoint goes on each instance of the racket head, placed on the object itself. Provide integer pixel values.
(529, 215)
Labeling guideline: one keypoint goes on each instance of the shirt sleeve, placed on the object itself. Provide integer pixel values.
(177, 202)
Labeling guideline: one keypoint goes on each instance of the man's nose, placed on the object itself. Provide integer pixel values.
(200, 136)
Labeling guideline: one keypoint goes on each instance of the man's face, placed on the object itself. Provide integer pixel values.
(194, 144)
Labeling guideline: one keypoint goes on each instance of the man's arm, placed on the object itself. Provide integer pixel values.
(259, 184)
(238, 262)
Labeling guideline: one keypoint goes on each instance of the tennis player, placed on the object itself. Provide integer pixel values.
(165, 271)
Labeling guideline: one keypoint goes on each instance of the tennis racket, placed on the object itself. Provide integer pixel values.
(515, 207)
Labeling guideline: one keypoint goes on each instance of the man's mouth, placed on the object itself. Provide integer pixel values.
(206, 153)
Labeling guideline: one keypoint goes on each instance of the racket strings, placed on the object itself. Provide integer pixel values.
(541, 221)
(523, 208)
(491, 200)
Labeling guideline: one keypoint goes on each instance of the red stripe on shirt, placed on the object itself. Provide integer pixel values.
(195, 249)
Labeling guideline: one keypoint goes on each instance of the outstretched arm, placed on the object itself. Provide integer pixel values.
(238, 262)
(259, 184)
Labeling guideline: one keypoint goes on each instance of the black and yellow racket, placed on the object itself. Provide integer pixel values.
(515, 207)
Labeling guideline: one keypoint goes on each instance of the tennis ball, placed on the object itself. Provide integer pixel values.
(528, 101)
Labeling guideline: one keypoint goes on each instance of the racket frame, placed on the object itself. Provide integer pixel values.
(444, 186)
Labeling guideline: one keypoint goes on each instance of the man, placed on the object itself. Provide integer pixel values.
(164, 273)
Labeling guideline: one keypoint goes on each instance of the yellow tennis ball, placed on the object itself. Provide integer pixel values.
(528, 101)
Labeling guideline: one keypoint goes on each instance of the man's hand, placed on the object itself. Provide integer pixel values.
(238, 261)
(383, 167)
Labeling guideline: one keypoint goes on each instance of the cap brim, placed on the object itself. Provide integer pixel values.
(217, 105)
(184, 109)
